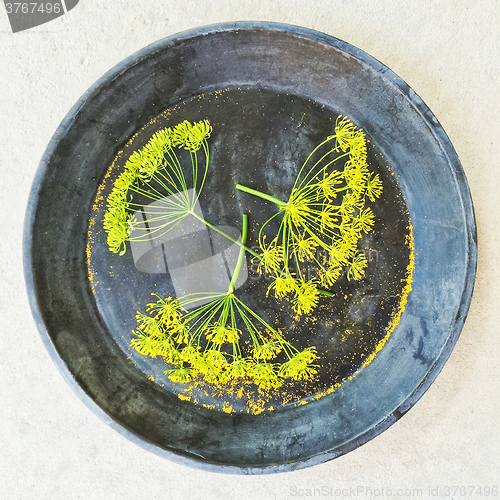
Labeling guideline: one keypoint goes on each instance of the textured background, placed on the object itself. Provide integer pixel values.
(52, 446)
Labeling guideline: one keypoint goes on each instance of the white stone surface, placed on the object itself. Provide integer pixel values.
(53, 447)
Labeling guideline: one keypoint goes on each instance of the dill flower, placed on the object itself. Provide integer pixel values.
(240, 367)
(199, 364)
(213, 350)
(338, 254)
(144, 344)
(357, 146)
(299, 367)
(327, 186)
(329, 275)
(216, 359)
(190, 354)
(374, 187)
(162, 347)
(324, 218)
(306, 297)
(328, 218)
(356, 267)
(304, 248)
(148, 324)
(344, 132)
(266, 351)
(221, 334)
(191, 136)
(181, 332)
(296, 210)
(157, 163)
(365, 220)
(180, 374)
(283, 285)
(173, 356)
(264, 376)
(167, 311)
(271, 257)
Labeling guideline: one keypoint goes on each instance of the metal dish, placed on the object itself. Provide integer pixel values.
(289, 64)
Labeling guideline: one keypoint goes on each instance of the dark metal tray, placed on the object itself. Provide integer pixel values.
(290, 73)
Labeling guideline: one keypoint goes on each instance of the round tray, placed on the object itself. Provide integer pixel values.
(289, 72)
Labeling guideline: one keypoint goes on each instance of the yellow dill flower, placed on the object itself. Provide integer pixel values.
(173, 356)
(216, 359)
(190, 353)
(326, 187)
(271, 256)
(357, 146)
(180, 374)
(240, 367)
(330, 275)
(116, 220)
(264, 376)
(163, 346)
(199, 364)
(304, 248)
(148, 324)
(337, 255)
(374, 188)
(344, 131)
(347, 207)
(354, 200)
(365, 220)
(356, 267)
(181, 332)
(144, 166)
(144, 344)
(299, 366)
(162, 139)
(151, 161)
(220, 334)
(191, 136)
(133, 164)
(356, 181)
(306, 297)
(347, 247)
(123, 183)
(282, 285)
(167, 313)
(215, 374)
(151, 158)
(180, 133)
(327, 218)
(117, 237)
(198, 133)
(117, 199)
(266, 351)
(353, 234)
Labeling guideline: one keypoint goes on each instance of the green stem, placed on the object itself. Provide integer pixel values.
(261, 195)
(223, 233)
(240, 243)
(244, 230)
